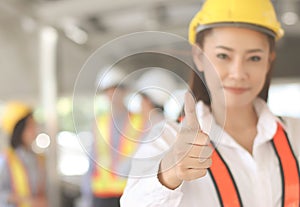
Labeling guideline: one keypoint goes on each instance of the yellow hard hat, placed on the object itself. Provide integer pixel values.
(12, 114)
(255, 14)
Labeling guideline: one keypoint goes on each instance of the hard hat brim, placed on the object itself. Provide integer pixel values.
(258, 28)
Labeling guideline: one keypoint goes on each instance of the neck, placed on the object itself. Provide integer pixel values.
(240, 123)
(147, 108)
(235, 117)
(117, 106)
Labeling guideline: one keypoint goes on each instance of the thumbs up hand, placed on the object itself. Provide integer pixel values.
(190, 156)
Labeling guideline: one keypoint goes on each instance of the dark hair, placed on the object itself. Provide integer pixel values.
(198, 84)
(17, 135)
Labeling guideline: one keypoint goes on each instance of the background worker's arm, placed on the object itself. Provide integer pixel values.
(5, 186)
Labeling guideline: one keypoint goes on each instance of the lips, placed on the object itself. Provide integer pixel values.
(236, 90)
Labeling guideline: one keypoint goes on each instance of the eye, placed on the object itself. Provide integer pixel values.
(255, 58)
(222, 56)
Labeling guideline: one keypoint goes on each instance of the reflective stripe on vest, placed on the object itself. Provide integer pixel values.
(19, 176)
(289, 169)
(104, 182)
(227, 190)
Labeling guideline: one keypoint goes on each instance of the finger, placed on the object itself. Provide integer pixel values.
(200, 152)
(191, 120)
(191, 174)
(194, 174)
(192, 144)
(195, 163)
(201, 139)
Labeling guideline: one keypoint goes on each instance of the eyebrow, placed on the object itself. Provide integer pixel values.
(248, 51)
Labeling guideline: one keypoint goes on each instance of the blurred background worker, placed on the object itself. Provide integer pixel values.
(115, 130)
(153, 89)
(119, 130)
(155, 86)
(22, 172)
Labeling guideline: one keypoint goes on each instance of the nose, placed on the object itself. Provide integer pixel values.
(237, 69)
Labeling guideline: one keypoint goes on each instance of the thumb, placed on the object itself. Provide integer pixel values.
(191, 120)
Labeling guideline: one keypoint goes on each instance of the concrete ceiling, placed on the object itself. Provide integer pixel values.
(100, 21)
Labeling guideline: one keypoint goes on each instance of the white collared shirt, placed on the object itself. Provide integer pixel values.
(257, 176)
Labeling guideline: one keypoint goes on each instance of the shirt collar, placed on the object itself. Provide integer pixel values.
(267, 121)
(266, 125)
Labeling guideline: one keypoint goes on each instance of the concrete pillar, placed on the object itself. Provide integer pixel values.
(48, 92)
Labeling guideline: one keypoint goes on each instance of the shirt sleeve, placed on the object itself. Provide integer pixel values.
(149, 192)
(143, 187)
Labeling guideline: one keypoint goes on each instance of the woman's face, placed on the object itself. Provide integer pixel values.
(30, 132)
(235, 62)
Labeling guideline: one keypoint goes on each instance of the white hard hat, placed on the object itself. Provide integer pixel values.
(111, 77)
(156, 84)
(173, 107)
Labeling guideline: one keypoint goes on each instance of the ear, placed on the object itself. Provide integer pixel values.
(272, 58)
(197, 53)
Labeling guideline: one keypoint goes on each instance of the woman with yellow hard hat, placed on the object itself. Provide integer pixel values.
(22, 174)
(233, 151)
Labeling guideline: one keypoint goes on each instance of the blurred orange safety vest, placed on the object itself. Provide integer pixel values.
(104, 182)
(227, 190)
(19, 176)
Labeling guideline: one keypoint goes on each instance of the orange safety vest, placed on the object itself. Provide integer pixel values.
(104, 182)
(227, 190)
(19, 176)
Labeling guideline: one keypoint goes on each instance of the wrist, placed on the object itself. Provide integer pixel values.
(168, 177)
